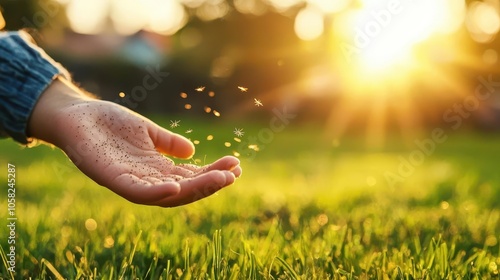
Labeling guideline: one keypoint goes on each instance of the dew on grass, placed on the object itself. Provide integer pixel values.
(491, 240)
(322, 219)
(90, 224)
(70, 256)
(109, 242)
(445, 205)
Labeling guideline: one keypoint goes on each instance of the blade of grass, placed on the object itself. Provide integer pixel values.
(127, 263)
(167, 270)
(288, 268)
(152, 267)
(6, 265)
(186, 274)
(52, 269)
(217, 254)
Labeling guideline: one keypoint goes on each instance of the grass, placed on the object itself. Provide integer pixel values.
(302, 210)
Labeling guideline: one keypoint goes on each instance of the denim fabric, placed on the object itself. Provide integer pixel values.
(25, 72)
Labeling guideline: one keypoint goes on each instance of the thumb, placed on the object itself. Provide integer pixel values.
(170, 143)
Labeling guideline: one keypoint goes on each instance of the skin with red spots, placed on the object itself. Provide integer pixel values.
(124, 151)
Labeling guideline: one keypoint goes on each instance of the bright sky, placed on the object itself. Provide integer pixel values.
(374, 33)
(127, 16)
(386, 31)
(414, 20)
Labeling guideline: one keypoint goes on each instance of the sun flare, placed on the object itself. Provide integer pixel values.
(382, 34)
(382, 51)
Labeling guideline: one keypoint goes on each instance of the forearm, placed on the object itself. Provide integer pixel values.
(45, 119)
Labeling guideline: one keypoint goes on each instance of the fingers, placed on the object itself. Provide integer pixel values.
(170, 143)
(237, 171)
(145, 190)
(181, 185)
(196, 188)
(229, 163)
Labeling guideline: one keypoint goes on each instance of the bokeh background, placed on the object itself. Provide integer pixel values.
(352, 66)
(373, 155)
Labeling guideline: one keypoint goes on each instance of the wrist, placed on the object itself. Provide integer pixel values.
(47, 115)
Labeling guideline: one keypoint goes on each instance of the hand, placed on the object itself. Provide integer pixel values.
(123, 151)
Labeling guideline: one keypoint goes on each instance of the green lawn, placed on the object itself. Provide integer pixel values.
(303, 209)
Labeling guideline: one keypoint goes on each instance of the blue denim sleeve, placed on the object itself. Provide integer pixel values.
(25, 72)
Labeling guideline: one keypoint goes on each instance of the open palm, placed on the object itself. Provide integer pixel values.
(126, 153)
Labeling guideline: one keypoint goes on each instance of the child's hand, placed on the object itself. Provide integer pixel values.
(124, 151)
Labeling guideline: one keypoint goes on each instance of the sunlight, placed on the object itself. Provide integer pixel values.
(166, 16)
(483, 21)
(309, 24)
(328, 6)
(283, 5)
(386, 31)
(381, 49)
(380, 39)
(255, 7)
(87, 16)
(128, 16)
(373, 54)
(212, 10)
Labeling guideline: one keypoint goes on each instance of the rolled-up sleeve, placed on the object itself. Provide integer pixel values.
(25, 72)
